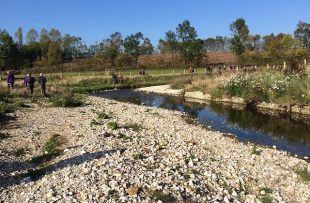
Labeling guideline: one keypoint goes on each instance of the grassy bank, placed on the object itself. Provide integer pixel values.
(99, 84)
(67, 92)
(270, 87)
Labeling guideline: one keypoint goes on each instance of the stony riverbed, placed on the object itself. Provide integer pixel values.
(153, 156)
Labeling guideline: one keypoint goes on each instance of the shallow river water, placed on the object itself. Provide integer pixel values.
(246, 124)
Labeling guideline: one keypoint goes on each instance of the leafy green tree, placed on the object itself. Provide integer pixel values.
(169, 44)
(32, 36)
(191, 49)
(44, 36)
(240, 33)
(280, 48)
(30, 53)
(72, 47)
(54, 54)
(302, 33)
(147, 47)
(8, 51)
(132, 45)
(186, 32)
(19, 37)
(54, 35)
(110, 48)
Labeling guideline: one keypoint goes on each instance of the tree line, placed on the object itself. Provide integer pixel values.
(50, 47)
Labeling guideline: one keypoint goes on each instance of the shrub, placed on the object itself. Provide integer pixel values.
(267, 87)
(66, 99)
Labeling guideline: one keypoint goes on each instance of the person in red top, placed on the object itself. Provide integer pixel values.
(190, 69)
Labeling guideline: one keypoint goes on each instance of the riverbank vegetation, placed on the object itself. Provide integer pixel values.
(265, 86)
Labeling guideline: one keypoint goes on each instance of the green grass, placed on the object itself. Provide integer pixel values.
(66, 98)
(266, 189)
(304, 174)
(255, 151)
(99, 84)
(19, 152)
(102, 115)
(133, 126)
(124, 137)
(266, 200)
(52, 144)
(41, 159)
(112, 125)
(94, 122)
(138, 156)
(158, 195)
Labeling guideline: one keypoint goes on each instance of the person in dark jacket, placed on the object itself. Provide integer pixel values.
(42, 82)
(10, 79)
(29, 83)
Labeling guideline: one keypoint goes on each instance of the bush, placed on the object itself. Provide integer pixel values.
(267, 87)
(66, 99)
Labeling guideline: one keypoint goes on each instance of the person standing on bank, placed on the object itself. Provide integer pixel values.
(42, 82)
(10, 79)
(29, 83)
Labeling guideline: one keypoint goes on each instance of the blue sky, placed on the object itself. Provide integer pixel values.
(94, 20)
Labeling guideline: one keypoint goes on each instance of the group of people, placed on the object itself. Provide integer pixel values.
(29, 82)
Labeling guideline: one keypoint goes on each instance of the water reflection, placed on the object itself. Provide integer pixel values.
(246, 124)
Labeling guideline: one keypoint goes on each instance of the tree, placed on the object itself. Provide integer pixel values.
(218, 43)
(44, 36)
(32, 36)
(302, 33)
(31, 53)
(19, 37)
(72, 47)
(110, 48)
(132, 44)
(281, 47)
(240, 33)
(54, 35)
(147, 47)
(191, 49)
(169, 44)
(8, 51)
(54, 54)
(254, 42)
(186, 32)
